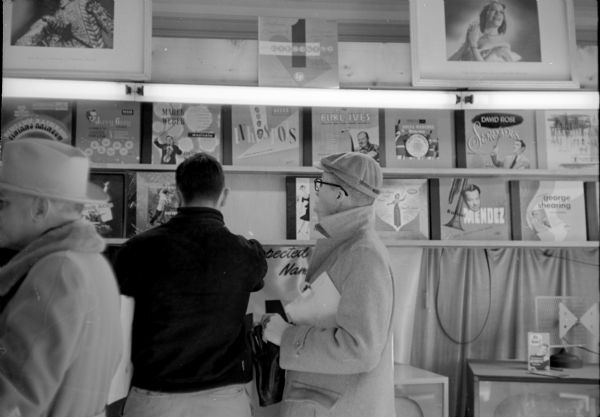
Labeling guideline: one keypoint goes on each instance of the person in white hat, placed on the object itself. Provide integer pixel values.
(337, 347)
(60, 337)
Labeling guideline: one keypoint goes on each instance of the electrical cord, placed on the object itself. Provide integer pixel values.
(487, 315)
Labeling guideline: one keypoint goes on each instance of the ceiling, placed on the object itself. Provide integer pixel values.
(366, 20)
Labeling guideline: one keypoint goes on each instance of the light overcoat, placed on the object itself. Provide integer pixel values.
(60, 338)
(346, 370)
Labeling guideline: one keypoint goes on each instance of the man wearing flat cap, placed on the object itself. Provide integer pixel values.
(60, 337)
(336, 347)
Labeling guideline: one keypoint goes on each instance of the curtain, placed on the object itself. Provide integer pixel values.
(406, 267)
(477, 303)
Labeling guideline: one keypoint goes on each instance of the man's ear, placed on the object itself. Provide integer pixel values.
(39, 208)
(223, 197)
(179, 196)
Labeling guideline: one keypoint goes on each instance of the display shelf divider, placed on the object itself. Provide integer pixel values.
(425, 243)
(227, 145)
(515, 207)
(584, 174)
(591, 210)
(146, 134)
(306, 136)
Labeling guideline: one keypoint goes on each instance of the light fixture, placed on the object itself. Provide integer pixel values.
(301, 97)
(540, 100)
(64, 89)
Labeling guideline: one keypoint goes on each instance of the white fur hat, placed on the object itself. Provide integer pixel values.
(47, 168)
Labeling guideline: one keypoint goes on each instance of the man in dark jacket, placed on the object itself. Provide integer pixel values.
(191, 279)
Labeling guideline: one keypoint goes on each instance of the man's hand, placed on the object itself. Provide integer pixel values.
(273, 327)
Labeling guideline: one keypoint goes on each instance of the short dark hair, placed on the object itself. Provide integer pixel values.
(200, 175)
(469, 188)
(483, 16)
(522, 142)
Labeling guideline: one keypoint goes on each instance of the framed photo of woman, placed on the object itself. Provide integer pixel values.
(493, 43)
(83, 39)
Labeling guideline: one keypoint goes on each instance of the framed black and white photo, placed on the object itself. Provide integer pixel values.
(84, 39)
(493, 43)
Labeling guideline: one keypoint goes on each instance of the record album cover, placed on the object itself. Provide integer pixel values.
(419, 138)
(109, 216)
(109, 131)
(474, 209)
(180, 130)
(300, 213)
(504, 139)
(286, 273)
(265, 135)
(401, 210)
(552, 211)
(570, 138)
(345, 130)
(538, 351)
(297, 52)
(36, 118)
(152, 200)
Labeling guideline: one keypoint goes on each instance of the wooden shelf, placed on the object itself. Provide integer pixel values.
(431, 243)
(582, 174)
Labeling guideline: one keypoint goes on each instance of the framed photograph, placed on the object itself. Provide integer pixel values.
(493, 44)
(90, 39)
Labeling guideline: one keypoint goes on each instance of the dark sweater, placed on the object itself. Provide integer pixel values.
(191, 279)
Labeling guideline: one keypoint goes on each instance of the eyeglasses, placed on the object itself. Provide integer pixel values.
(319, 183)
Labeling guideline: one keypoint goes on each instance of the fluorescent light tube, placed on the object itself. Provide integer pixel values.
(64, 89)
(308, 97)
(536, 100)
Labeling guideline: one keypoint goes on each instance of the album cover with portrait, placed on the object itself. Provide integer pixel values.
(474, 209)
(180, 130)
(266, 136)
(419, 138)
(109, 131)
(297, 52)
(569, 138)
(337, 130)
(499, 139)
(300, 214)
(402, 209)
(552, 211)
(36, 118)
(108, 217)
(151, 200)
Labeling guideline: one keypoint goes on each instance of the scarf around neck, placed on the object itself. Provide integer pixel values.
(79, 236)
